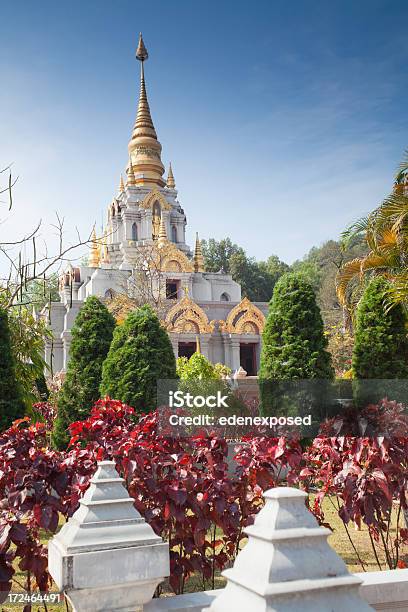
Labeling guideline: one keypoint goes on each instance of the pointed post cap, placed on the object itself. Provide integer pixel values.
(171, 183)
(121, 185)
(198, 256)
(141, 51)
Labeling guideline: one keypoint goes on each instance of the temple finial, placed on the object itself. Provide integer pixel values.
(162, 233)
(198, 345)
(198, 256)
(144, 147)
(171, 183)
(95, 253)
(131, 179)
(121, 185)
(141, 51)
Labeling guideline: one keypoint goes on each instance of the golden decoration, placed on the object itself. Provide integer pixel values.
(172, 259)
(198, 256)
(94, 251)
(171, 183)
(244, 318)
(188, 317)
(154, 196)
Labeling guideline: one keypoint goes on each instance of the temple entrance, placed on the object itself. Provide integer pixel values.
(186, 349)
(247, 357)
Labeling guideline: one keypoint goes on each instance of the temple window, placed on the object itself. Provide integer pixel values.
(225, 297)
(134, 232)
(172, 289)
(173, 233)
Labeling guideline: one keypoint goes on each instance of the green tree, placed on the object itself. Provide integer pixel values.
(381, 343)
(11, 404)
(91, 338)
(140, 355)
(217, 254)
(294, 347)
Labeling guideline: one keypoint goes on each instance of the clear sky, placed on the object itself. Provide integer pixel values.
(284, 121)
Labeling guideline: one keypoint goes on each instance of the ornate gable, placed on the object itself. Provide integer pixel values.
(155, 196)
(173, 260)
(187, 317)
(244, 318)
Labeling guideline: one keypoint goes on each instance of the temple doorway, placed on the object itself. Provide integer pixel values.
(247, 357)
(186, 349)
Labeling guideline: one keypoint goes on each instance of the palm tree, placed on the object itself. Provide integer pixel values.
(385, 231)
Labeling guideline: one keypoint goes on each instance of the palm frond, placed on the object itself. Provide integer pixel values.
(350, 270)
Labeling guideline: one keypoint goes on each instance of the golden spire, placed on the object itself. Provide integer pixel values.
(131, 179)
(94, 251)
(144, 148)
(121, 185)
(198, 256)
(171, 183)
(162, 233)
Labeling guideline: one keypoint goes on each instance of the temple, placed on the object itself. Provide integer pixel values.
(142, 256)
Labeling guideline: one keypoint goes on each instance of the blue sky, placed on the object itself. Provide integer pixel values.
(284, 121)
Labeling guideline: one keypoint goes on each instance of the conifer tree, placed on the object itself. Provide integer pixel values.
(141, 354)
(11, 404)
(91, 338)
(294, 345)
(381, 344)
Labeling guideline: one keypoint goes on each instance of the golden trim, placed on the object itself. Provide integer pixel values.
(244, 318)
(154, 196)
(189, 318)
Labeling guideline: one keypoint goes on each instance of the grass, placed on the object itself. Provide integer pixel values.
(339, 540)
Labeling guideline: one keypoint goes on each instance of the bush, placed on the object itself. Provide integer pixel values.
(294, 344)
(381, 346)
(140, 355)
(91, 339)
(11, 404)
(381, 342)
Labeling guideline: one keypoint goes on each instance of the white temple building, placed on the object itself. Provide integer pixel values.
(143, 257)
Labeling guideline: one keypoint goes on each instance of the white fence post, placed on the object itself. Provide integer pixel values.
(106, 558)
(287, 564)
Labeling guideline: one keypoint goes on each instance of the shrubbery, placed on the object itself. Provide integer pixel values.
(184, 489)
(140, 354)
(11, 402)
(91, 339)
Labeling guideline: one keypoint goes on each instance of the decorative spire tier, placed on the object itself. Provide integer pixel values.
(94, 251)
(144, 148)
(171, 183)
(198, 256)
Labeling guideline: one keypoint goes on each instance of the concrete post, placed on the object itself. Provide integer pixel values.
(106, 557)
(287, 564)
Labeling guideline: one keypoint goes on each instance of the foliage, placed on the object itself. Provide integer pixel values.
(381, 343)
(320, 268)
(294, 344)
(385, 232)
(257, 279)
(198, 367)
(40, 292)
(140, 354)
(91, 339)
(184, 490)
(11, 401)
(36, 485)
(340, 346)
(364, 477)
